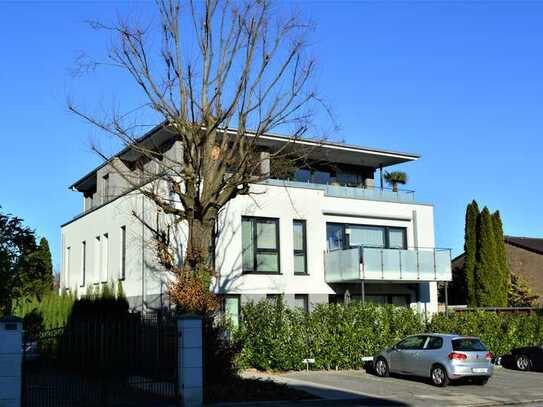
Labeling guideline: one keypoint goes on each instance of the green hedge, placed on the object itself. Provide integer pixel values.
(54, 309)
(499, 332)
(274, 337)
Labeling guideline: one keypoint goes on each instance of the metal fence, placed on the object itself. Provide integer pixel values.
(103, 362)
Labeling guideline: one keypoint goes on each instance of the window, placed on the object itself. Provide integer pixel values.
(232, 309)
(300, 247)
(97, 259)
(83, 262)
(412, 342)
(335, 236)
(67, 268)
(260, 240)
(468, 345)
(434, 343)
(396, 238)
(105, 258)
(273, 298)
(122, 270)
(344, 236)
(367, 236)
(301, 301)
(105, 186)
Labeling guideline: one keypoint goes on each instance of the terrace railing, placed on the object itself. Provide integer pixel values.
(364, 263)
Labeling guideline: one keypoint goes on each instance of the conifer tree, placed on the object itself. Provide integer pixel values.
(486, 261)
(470, 249)
(502, 279)
(520, 293)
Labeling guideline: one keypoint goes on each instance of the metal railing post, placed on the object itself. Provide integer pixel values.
(435, 265)
(382, 265)
(400, 259)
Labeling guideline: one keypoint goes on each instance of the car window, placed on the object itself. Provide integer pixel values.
(435, 342)
(468, 345)
(413, 342)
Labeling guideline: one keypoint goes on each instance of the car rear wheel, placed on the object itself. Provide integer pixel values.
(439, 376)
(523, 362)
(381, 367)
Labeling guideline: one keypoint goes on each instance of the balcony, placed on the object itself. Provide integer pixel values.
(370, 264)
(342, 191)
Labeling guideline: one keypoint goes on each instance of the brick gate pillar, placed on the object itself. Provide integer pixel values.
(190, 360)
(11, 359)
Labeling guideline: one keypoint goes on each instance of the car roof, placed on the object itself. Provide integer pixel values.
(449, 336)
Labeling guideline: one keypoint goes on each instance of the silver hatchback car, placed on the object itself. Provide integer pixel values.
(440, 357)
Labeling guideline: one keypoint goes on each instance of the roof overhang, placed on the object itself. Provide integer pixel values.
(319, 150)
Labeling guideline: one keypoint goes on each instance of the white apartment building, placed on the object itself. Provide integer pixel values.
(326, 234)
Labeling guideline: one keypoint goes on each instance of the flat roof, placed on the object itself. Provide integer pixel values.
(322, 150)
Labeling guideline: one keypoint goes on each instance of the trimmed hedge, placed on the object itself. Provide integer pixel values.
(499, 332)
(274, 337)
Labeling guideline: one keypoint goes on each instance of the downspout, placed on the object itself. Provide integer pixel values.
(381, 176)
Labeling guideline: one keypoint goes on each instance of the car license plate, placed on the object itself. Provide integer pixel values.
(479, 370)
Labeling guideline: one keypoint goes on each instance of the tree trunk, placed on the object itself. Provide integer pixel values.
(394, 187)
(199, 242)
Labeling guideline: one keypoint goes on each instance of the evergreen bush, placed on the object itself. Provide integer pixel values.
(274, 337)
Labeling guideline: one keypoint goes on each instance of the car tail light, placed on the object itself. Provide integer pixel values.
(489, 356)
(457, 356)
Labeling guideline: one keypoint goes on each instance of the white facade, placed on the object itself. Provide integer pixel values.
(94, 253)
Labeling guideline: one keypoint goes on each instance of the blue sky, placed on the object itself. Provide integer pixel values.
(460, 83)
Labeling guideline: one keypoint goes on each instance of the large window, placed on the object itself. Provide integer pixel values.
(260, 245)
(300, 247)
(344, 236)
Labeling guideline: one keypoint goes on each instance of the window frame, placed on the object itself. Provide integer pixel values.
(427, 345)
(122, 267)
(305, 298)
(83, 263)
(346, 244)
(254, 220)
(303, 250)
(424, 337)
(236, 297)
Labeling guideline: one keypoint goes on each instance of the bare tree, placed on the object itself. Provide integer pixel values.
(225, 74)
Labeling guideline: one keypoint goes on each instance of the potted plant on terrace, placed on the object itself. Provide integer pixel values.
(394, 178)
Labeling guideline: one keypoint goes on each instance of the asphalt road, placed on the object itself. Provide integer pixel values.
(358, 388)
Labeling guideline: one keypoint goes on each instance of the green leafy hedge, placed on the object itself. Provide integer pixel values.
(499, 332)
(274, 337)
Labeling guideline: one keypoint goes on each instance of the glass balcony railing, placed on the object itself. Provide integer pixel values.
(388, 265)
(342, 191)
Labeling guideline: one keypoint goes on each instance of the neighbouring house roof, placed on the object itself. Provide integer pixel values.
(528, 243)
(532, 244)
(335, 152)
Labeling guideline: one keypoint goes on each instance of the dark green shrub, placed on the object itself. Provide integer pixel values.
(500, 332)
(274, 337)
(53, 308)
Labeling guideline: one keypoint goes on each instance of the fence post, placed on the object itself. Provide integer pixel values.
(11, 359)
(190, 360)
